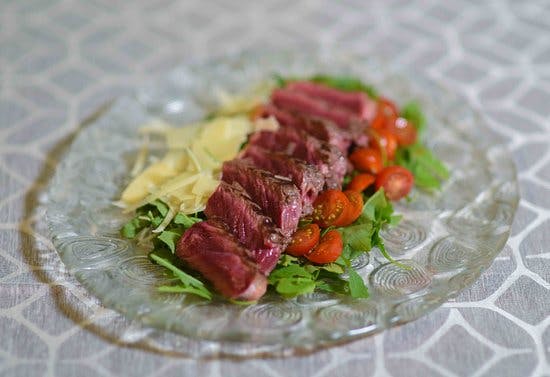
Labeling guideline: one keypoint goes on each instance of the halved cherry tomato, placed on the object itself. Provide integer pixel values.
(404, 131)
(385, 141)
(361, 181)
(379, 120)
(329, 208)
(397, 182)
(355, 207)
(303, 240)
(367, 160)
(386, 113)
(388, 106)
(328, 250)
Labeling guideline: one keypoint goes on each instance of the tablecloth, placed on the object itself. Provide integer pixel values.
(62, 59)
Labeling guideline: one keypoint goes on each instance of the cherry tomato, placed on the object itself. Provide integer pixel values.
(354, 208)
(303, 240)
(385, 141)
(386, 113)
(388, 106)
(397, 182)
(361, 181)
(379, 121)
(328, 250)
(329, 208)
(367, 160)
(404, 131)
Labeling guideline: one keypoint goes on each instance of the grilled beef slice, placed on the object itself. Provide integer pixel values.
(278, 198)
(301, 103)
(305, 176)
(328, 132)
(357, 102)
(231, 205)
(299, 144)
(214, 252)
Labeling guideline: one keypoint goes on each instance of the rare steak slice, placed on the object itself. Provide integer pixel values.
(321, 128)
(278, 197)
(231, 205)
(306, 177)
(357, 102)
(328, 132)
(283, 117)
(300, 103)
(214, 252)
(299, 144)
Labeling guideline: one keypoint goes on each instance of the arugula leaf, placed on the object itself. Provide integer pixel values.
(333, 285)
(170, 238)
(160, 206)
(357, 287)
(347, 179)
(292, 270)
(378, 208)
(364, 234)
(332, 267)
(188, 284)
(292, 280)
(345, 83)
(295, 286)
(412, 111)
(184, 289)
(287, 259)
(186, 221)
(358, 237)
(280, 80)
(427, 169)
(150, 215)
(132, 227)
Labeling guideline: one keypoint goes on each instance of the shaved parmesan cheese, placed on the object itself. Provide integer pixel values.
(266, 124)
(189, 172)
(239, 104)
(154, 176)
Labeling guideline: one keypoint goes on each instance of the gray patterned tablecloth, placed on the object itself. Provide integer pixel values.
(61, 59)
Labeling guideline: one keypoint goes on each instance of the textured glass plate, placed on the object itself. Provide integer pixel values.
(446, 239)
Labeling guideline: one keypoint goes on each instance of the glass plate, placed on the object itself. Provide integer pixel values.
(446, 239)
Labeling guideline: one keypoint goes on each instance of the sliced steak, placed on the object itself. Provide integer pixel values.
(305, 176)
(283, 117)
(214, 252)
(321, 128)
(279, 198)
(357, 102)
(328, 132)
(231, 205)
(299, 144)
(300, 103)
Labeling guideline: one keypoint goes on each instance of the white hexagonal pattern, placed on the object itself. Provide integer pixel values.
(61, 59)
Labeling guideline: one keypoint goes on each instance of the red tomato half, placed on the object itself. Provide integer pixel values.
(385, 141)
(361, 182)
(367, 160)
(404, 131)
(328, 250)
(354, 208)
(329, 208)
(386, 113)
(388, 106)
(303, 240)
(397, 182)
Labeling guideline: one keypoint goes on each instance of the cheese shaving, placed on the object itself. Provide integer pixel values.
(189, 171)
